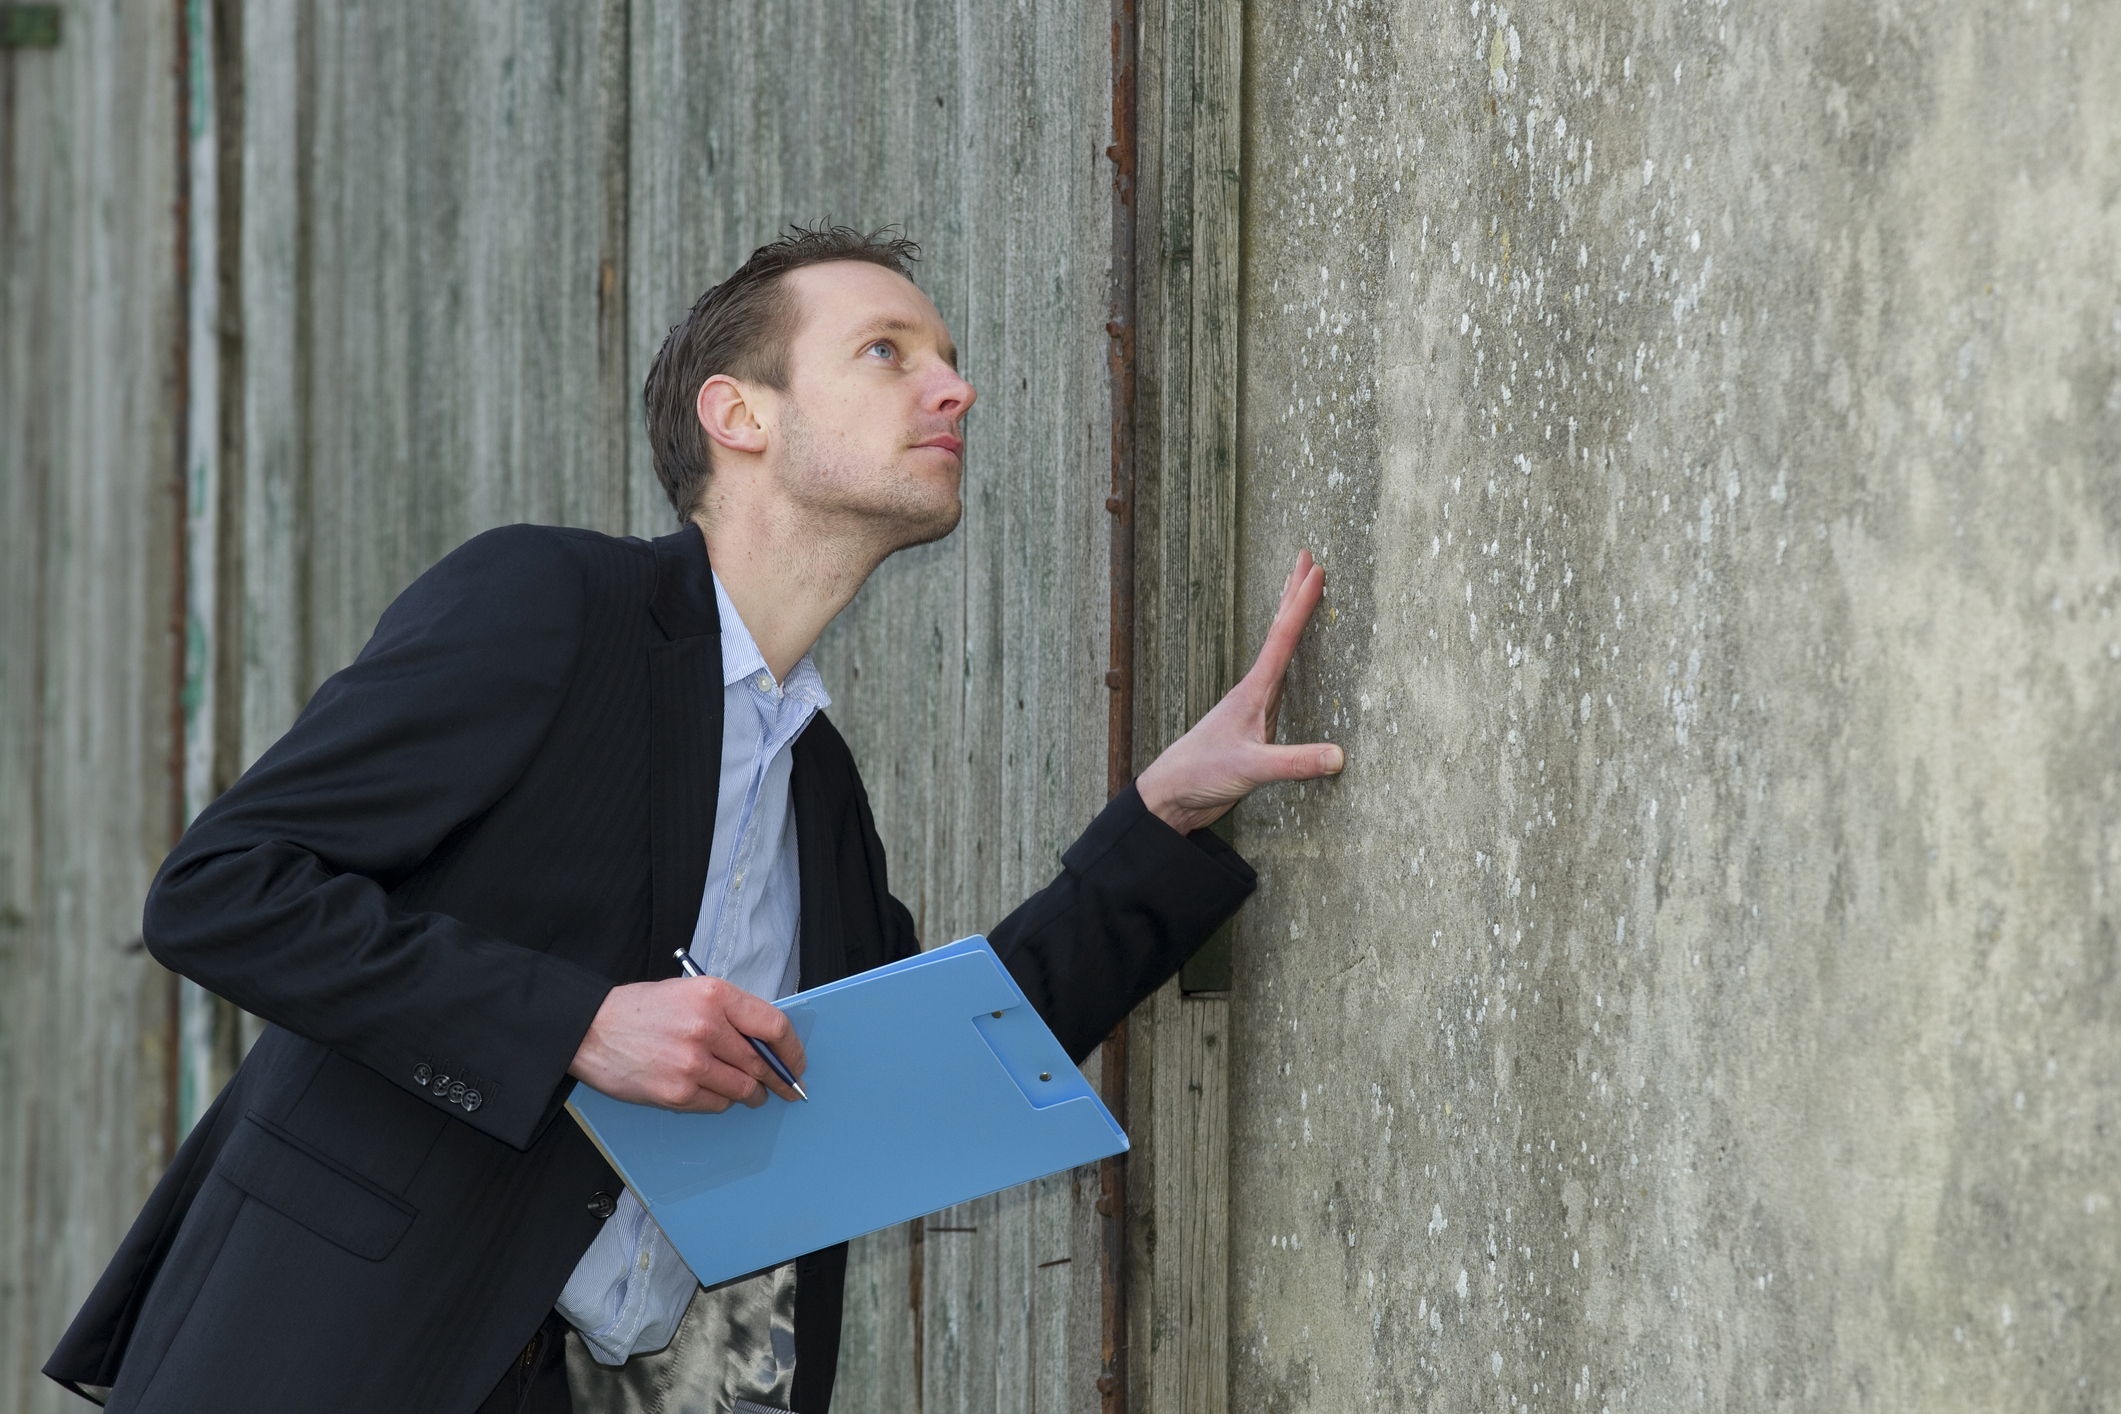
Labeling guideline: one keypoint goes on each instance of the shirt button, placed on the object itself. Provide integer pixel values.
(421, 1074)
(603, 1204)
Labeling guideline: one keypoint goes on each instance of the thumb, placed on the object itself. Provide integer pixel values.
(1298, 763)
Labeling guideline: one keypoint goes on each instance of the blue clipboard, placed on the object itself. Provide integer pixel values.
(932, 1081)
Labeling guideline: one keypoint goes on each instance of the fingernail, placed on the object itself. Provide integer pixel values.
(1333, 759)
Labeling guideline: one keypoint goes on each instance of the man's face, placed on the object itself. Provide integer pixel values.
(872, 423)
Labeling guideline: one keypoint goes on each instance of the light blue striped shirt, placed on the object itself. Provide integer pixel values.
(630, 1289)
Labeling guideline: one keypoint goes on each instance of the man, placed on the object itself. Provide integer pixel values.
(455, 888)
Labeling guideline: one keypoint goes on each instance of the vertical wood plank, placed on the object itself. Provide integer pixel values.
(1192, 63)
(462, 288)
(616, 395)
(961, 1326)
(273, 462)
(880, 1337)
(203, 520)
(89, 472)
(1189, 1282)
(1217, 143)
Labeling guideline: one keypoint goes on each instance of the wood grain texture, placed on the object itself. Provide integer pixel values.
(882, 1329)
(90, 314)
(1187, 498)
(452, 303)
(200, 698)
(1188, 1285)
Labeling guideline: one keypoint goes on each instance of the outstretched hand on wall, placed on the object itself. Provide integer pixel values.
(1231, 751)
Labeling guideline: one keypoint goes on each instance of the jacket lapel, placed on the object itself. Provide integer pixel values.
(685, 742)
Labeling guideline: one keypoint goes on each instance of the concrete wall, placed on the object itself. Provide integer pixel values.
(1700, 990)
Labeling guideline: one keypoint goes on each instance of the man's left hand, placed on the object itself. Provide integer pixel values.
(1231, 751)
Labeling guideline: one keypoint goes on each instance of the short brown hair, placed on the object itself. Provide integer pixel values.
(741, 327)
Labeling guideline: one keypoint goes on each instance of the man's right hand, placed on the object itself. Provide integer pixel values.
(680, 1045)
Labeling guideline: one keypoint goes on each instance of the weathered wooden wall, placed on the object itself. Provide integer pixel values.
(89, 429)
(433, 247)
(464, 233)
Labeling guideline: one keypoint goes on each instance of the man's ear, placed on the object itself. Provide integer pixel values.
(725, 410)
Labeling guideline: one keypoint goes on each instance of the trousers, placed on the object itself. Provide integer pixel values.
(733, 1353)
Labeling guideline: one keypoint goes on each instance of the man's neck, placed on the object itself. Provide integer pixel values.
(785, 584)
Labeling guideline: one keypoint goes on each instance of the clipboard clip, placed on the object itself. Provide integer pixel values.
(1026, 1050)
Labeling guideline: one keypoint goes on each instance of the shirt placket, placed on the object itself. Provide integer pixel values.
(721, 948)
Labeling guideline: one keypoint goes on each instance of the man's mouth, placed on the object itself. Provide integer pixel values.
(947, 443)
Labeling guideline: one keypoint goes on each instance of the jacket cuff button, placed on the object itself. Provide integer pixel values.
(421, 1074)
(603, 1204)
(472, 1100)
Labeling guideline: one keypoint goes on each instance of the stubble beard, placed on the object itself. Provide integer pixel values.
(881, 509)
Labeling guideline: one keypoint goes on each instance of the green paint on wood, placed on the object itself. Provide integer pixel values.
(29, 26)
(200, 66)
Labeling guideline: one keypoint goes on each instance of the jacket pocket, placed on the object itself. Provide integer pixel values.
(289, 1176)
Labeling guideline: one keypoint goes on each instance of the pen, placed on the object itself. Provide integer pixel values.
(692, 969)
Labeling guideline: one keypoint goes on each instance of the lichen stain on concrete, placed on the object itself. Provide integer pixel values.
(1699, 989)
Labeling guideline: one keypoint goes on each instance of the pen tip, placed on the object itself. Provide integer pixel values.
(804, 1093)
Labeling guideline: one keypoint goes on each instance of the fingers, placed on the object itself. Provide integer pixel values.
(1306, 586)
(754, 1016)
(730, 1070)
(684, 1044)
(716, 1085)
(729, 1035)
(1296, 577)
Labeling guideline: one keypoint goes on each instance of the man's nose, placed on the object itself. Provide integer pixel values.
(952, 395)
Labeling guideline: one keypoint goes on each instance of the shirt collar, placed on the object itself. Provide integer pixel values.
(741, 658)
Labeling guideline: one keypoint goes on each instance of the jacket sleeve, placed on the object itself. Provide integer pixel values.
(1133, 901)
(278, 896)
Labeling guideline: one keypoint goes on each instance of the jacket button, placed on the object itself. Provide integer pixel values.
(472, 1100)
(421, 1074)
(603, 1204)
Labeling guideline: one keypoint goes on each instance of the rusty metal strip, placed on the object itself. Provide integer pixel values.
(1119, 759)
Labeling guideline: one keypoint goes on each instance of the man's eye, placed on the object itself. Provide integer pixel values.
(883, 349)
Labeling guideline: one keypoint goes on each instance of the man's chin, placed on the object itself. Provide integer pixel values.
(932, 525)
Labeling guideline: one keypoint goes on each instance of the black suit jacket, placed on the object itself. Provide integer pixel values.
(502, 808)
